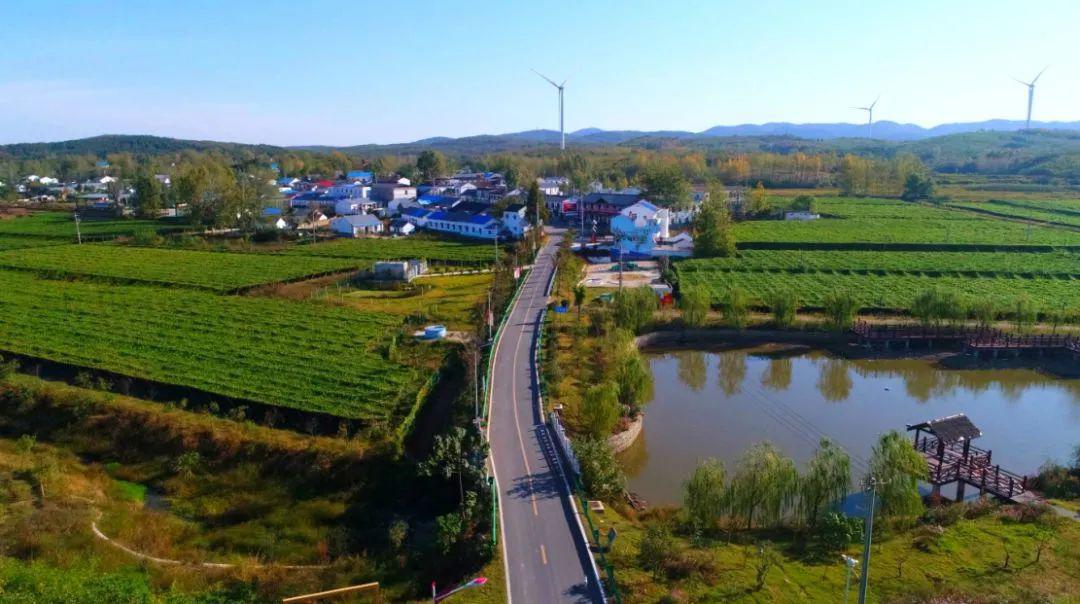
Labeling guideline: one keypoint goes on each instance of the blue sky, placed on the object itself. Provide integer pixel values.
(356, 72)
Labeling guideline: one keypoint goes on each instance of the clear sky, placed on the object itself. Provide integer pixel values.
(352, 72)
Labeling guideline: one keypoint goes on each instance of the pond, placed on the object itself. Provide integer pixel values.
(718, 404)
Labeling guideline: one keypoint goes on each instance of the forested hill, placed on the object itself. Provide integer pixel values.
(136, 144)
(1040, 153)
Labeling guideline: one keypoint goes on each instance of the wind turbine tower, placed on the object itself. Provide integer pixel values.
(1031, 96)
(560, 88)
(870, 116)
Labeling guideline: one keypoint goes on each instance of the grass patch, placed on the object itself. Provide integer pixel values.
(451, 301)
(424, 247)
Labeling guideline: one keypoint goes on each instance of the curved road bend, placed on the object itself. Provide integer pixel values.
(545, 556)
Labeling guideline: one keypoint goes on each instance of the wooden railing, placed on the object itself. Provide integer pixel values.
(950, 464)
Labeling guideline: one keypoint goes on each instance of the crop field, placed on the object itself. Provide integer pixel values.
(871, 220)
(218, 271)
(61, 225)
(16, 242)
(441, 250)
(875, 291)
(1058, 211)
(311, 357)
(981, 264)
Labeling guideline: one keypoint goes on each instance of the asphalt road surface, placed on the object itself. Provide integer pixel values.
(545, 556)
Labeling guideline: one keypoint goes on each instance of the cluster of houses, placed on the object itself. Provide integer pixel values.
(93, 192)
(478, 205)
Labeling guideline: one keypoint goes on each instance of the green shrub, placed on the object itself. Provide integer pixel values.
(836, 531)
(601, 474)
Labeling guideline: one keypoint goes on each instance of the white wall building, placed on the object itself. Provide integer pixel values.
(356, 225)
(638, 227)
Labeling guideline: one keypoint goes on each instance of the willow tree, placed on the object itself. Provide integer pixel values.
(599, 411)
(764, 485)
(736, 308)
(783, 305)
(634, 382)
(840, 309)
(705, 497)
(826, 482)
(897, 469)
(694, 303)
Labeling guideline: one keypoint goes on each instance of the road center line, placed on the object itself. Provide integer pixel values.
(543, 554)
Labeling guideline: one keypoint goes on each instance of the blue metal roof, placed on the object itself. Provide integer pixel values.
(648, 206)
(415, 212)
(361, 174)
(480, 219)
(271, 211)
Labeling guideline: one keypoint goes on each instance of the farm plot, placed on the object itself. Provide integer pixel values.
(986, 264)
(310, 357)
(875, 291)
(872, 221)
(1065, 212)
(61, 225)
(440, 250)
(218, 271)
(16, 242)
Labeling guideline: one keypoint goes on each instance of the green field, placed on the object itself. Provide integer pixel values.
(885, 291)
(219, 271)
(1062, 211)
(872, 220)
(17, 242)
(61, 225)
(981, 264)
(441, 250)
(310, 357)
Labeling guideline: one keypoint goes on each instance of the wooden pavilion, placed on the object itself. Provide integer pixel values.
(946, 444)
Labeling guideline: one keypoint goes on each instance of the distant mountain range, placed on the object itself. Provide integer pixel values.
(884, 132)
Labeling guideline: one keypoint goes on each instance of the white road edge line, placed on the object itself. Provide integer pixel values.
(558, 465)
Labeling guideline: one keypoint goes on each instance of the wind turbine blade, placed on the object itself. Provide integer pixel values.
(874, 103)
(1023, 82)
(550, 81)
(1040, 75)
(564, 83)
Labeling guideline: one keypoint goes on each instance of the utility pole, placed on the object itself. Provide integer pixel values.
(868, 530)
(78, 232)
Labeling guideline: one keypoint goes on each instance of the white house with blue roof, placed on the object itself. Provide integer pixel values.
(477, 226)
(638, 227)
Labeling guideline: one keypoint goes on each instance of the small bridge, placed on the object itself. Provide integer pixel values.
(996, 342)
(946, 445)
(869, 334)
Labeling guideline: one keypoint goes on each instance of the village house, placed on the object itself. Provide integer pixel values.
(356, 225)
(552, 185)
(514, 220)
(479, 226)
(389, 191)
(600, 208)
(637, 228)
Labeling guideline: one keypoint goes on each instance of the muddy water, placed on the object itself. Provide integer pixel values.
(717, 404)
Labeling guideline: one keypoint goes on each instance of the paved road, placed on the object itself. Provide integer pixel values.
(544, 553)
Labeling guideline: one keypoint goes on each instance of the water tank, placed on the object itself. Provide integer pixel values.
(435, 332)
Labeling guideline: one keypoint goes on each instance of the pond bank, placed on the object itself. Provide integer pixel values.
(843, 345)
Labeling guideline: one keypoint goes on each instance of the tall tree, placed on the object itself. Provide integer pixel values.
(599, 410)
(665, 185)
(694, 302)
(759, 200)
(149, 196)
(431, 164)
(764, 484)
(705, 495)
(535, 203)
(713, 231)
(897, 469)
(826, 482)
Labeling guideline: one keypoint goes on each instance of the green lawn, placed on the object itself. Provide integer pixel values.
(219, 271)
(301, 355)
(967, 560)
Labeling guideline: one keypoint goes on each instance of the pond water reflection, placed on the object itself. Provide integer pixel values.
(717, 404)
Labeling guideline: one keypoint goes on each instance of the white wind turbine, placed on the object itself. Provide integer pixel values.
(1031, 95)
(560, 88)
(870, 116)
